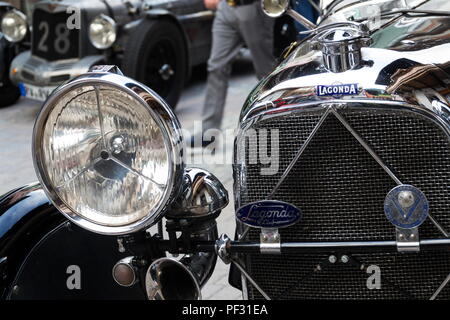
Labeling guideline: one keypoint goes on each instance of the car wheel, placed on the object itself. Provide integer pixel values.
(9, 94)
(156, 56)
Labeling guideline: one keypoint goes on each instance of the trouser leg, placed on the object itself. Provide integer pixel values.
(216, 94)
(225, 46)
(257, 31)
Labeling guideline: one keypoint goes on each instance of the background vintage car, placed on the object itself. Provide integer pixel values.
(156, 42)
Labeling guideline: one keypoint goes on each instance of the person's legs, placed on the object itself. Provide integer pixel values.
(257, 30)
(225, 46)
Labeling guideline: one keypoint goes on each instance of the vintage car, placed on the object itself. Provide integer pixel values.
(155, 42)
(354, 204)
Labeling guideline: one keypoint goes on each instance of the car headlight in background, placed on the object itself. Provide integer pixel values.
(102, 32)
(107, 151)
(14, 25)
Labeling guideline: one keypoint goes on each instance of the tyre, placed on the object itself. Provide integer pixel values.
(156, 56)
(9, 94)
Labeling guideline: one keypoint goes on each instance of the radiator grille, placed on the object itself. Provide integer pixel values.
(340, 189)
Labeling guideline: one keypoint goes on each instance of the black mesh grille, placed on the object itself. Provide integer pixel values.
(403, 276)
(340, 189)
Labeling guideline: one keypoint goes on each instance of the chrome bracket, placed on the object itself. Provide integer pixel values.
(222, 248)
(270, 241)
(106, 68)
(407, 240)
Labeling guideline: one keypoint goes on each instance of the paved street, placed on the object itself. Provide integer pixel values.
(16, 168)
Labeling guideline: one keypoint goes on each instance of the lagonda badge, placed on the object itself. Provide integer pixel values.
(406, 207)
(337, 90)
(269, 214)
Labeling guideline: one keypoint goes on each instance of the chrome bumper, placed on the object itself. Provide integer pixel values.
(37, 71)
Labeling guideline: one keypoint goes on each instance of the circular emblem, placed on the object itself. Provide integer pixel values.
(406, 207)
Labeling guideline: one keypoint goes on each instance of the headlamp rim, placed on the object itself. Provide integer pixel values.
(162, 115)
(113, 24)
(21, 16)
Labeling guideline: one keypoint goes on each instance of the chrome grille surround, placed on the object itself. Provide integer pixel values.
(347, 211)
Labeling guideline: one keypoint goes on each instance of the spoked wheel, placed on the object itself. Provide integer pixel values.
(156, 56)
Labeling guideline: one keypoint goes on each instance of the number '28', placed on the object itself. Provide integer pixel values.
(61, 44)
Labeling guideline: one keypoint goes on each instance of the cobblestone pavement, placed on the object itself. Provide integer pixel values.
(16, 167)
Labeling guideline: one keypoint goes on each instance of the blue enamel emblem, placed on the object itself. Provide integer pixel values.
(407, 216)
(268, 214)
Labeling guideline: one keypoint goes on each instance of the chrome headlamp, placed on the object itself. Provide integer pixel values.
(107, 151)
(14, 25)
(102, 32)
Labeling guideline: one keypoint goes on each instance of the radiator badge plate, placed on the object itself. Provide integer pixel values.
(337, 90)
(269, 214)
(406, 207)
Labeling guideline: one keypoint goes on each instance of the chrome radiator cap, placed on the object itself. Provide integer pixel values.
(341, 48)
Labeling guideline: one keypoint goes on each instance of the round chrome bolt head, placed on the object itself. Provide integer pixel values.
(406, 199)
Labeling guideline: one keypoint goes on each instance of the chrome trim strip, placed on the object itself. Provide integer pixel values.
(246, 247)
(244, 287)
(262, 111)
(366, 146)
(299, 153)
(349, 244)
(441, 287)
(242, 236)
(441, 229)
(246, 275)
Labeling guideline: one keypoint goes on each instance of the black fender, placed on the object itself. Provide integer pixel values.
(40, 250)
(26, 215)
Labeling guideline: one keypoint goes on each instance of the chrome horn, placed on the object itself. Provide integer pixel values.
(277, 8)
(171, 279)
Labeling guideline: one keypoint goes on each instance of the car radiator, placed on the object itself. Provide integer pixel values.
(340, 190)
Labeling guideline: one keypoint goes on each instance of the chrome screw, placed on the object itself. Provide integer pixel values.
(332, 259)
(344, 259)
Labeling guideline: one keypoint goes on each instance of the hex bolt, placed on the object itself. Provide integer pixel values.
(345, 259)
(332, 259)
